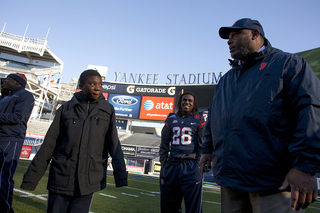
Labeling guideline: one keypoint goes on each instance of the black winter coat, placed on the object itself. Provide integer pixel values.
(77, 144)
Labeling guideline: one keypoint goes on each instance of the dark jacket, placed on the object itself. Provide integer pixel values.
(264, 120)
(15, 110)
(77, 144)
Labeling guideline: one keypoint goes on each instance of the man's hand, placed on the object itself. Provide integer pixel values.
(205, 163)
(303, 189)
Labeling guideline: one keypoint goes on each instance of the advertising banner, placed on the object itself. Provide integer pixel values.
(114, 88)
(125, 106)
(25, 151)
(156, 108)
(138, 89)
(163, 91)
(33, 139)
(135, 169)
(128, 150)
(147, 152)
(105, 95)
(156, 167)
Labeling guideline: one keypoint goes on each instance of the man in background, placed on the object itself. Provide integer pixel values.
(180, 149)
(15, 109)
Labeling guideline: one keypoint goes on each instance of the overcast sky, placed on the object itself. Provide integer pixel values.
(162, 37)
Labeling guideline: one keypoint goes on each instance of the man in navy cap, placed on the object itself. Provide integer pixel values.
(15, 110)
(263, 128)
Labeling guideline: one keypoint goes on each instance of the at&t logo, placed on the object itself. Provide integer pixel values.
(148, 105)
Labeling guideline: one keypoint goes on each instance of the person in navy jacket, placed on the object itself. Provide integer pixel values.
(15, 109)
(263, 129)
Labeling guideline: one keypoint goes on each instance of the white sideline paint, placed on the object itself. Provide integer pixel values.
(107, 195)
(130, 195)
(146, 194)
(44, 195)
(28, 194)
(211, 202)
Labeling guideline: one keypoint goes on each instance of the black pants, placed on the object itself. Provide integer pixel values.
(67, 204)
(181, 181)
(9, 157)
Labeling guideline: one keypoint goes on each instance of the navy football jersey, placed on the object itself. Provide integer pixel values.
(182, 138)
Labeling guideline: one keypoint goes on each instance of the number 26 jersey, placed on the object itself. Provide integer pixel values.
(183, 136)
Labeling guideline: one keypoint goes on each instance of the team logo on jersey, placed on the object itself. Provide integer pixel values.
(197, 117)
(175, 121)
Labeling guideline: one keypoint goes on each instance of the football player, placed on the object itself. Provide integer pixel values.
(181, 140)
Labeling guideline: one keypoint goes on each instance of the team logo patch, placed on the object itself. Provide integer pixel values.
(162, 181)
(263, 65)
(197, 117)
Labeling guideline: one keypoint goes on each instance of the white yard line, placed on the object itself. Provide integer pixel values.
(28, 194)
(147, 194)
(130, 195)
(107, 195)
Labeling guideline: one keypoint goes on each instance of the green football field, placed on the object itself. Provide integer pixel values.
(142, 195)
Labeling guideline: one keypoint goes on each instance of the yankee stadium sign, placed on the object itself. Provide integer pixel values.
(172, 79)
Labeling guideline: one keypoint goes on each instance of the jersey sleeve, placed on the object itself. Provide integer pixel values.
(204, 118)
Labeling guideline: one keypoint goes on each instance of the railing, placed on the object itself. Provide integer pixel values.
(20, 38)
(21, 43)
(36, 71)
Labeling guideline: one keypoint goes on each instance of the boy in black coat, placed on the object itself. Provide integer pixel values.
(77, 143)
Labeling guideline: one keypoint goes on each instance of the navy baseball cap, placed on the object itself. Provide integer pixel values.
(245, 23)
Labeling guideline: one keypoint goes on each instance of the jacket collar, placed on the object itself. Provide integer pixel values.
(15, 90)
(102, 105)
(254, 57)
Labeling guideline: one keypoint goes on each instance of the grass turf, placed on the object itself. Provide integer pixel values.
(142, 195)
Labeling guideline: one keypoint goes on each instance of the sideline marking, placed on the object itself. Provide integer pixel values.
(143, 190)
(107, 195)
(147, 194)
(129, 194)
(211, 202)
(30, 194)
(44, 195)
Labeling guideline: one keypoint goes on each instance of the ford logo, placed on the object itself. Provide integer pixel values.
(124, 100)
